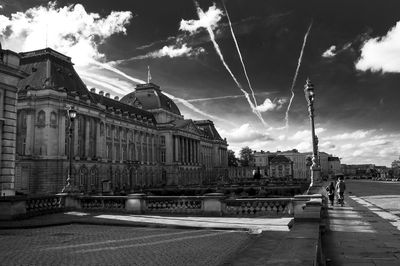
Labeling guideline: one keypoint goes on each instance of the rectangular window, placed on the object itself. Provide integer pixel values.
(162, 156)
(162, 140)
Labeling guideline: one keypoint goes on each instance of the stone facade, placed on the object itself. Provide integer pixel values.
(137, 142)
(10, 74)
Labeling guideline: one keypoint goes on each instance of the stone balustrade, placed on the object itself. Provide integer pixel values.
(212, 204)
(113, 203)
(174, 204)
(259, 207)
(44, 204)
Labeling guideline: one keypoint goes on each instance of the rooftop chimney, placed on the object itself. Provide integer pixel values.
(101, 93)
(93, 90)
(116, 98)
(107, 95)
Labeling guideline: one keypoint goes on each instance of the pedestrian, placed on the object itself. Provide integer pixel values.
(331, 192)
(340, 188)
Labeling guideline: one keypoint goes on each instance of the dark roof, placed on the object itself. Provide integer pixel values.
(50, 69)
(333, 159)
(208, 127)
(117, 105)
(280, 159)
(150, 97)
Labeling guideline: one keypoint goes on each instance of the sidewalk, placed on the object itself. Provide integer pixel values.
(356, 235)
(254, 225)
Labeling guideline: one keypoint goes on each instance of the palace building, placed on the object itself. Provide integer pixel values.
(138, 141)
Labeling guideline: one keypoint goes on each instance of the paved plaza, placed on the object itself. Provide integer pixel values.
(118, 245)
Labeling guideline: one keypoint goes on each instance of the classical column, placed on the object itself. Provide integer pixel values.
(87, 136)
(176, 148)
(76, 137)
(99, 143)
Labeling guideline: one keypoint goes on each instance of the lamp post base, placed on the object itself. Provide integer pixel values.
(316, 182)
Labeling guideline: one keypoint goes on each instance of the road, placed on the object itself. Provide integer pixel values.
(117, 245)
(385, 195)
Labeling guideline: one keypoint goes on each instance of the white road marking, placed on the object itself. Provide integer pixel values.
(117, 241)
(390, 217)
(154, 243)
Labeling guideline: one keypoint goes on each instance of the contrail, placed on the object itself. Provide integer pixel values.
(221, 97)
(240, 54)
(295, 75)
(200, 13)
(193, 108)
(183, 101)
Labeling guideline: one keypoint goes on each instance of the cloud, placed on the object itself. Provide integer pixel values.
(210, 18)
(170, 51)
(306, 134)
(245, 133)
(359, 134)
(330, 52)
(381, 53)
(79, 36)
(269, 105)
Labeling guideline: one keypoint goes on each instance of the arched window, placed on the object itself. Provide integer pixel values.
(94, 177)
(41, 118)
(83, 178)
(53, 119)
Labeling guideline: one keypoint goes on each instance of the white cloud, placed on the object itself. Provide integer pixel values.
(359, 134)
(269, 105)
(304, 146)
(306, 134)
(167, 51)
(208, 18)
(69, 30)
(245, 133)
(330, 52)
(381, 53)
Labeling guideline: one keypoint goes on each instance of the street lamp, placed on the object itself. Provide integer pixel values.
(71, 115)
(136, 165)
(315, 168)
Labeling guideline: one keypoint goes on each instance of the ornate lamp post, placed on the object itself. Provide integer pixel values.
(71, 115)
(136, 165)
(315, 168)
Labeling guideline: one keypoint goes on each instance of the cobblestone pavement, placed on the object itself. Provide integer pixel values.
(118, 245)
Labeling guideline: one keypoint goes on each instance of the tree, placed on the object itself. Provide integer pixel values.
(232, 160)
(246, 156)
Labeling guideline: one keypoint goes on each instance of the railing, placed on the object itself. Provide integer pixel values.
(171, 204)
(44, 204)
(259, 207)
(115, 203)
(209, 204)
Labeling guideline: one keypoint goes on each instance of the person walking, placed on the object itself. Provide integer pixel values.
(330, 190)
(340, 188)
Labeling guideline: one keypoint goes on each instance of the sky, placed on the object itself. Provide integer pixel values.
(242, 81)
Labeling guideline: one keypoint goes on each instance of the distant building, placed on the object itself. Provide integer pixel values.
(334, 166)
(141, 140)
(10, 74)
(359, 170)
(280, 166)
(329, 164)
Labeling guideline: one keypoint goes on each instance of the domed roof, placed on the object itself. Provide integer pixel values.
(149, 97)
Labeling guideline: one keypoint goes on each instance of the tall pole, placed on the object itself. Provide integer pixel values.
(315, 168)
(71, 116)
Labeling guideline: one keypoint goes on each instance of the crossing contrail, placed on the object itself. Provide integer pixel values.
(183, 101)
(295, 75)
(239, 53)
(201, 14)
(222, 97)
